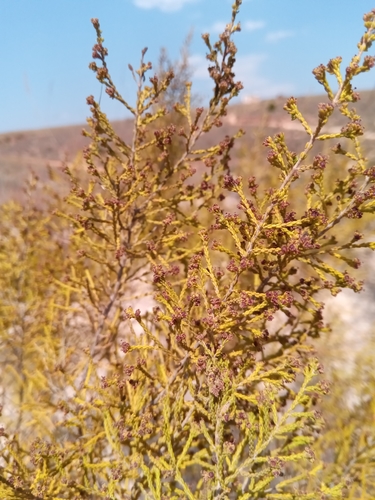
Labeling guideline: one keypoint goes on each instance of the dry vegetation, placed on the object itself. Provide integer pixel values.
(163, 307)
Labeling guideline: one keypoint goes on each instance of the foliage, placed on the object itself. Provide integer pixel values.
(159, 345)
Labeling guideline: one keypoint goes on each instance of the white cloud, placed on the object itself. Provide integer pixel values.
(199, 65)
(248, 70)
(275, 36)
(218, 27)
(250, 25)
(164, 5)
(253, 25)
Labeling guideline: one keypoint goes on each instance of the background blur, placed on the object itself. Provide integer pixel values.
(47, 48)
(44, 84)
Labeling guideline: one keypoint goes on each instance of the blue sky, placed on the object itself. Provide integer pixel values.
(47, 44)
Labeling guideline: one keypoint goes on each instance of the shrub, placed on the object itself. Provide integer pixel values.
(158, 344)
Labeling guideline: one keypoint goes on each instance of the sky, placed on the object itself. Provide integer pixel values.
(46, 49)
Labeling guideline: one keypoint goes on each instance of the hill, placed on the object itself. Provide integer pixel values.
(22, 150)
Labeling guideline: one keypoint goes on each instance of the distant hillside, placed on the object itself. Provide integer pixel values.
(20, 151)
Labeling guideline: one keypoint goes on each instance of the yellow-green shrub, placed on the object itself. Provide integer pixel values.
(208, 390)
